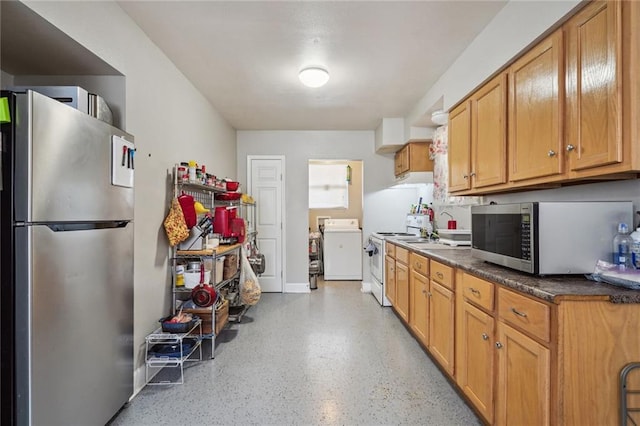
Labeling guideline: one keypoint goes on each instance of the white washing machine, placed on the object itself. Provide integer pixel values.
(342, 249)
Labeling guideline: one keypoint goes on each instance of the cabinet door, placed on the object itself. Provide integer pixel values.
(397, 161)
(441, 325)
(418, 157)
(594, 100)
(402, 291)
(475, 370)
(460, 147)
(390, 279)
(402, 160)
(419, 306)
(536, 87)
(523, 387)
(489, 134)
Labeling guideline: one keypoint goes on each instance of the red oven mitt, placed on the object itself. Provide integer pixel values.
(188, 209)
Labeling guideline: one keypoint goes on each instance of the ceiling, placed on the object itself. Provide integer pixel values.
(245, 56)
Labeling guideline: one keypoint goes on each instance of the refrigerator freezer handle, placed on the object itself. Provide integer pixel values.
(65, 227)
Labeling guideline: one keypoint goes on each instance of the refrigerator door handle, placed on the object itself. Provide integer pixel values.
(66, 227)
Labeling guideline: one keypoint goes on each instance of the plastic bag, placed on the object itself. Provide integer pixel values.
(612, 274)
(249, 286)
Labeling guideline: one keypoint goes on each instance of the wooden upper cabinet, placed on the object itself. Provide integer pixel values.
(594, 76)
(489, 134)
(536, 99)
(413, 157)
(401, 161)
(459, 142)
(478, 138)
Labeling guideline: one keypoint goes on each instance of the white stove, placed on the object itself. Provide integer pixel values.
(376, 263)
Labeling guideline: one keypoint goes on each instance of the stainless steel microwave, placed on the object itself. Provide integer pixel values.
(547, 238)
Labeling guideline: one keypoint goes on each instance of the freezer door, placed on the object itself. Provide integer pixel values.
(74, 324)
(63, 165)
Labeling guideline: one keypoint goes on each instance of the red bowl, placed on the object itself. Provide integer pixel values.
(232, 186)
(229, 196)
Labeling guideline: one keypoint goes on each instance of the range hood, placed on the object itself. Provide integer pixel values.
(413, 179)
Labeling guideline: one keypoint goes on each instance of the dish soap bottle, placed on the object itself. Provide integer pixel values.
(622, 247)
(635, 248)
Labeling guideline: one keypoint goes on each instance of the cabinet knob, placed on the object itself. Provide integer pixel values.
(465, 176)
(570, 147)
(474, 291)
(429, 294)
(485, 336)
(439, 275)
(472, 174)
(551, 153)
(498, 345)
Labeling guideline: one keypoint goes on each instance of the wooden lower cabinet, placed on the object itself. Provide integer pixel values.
(596, 340)
(441, 325)
(402, 290)
(390, 279)
(520, 360)
(475, 370)
(419, 306)
(523, 383)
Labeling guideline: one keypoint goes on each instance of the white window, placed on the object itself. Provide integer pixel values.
(328, 186)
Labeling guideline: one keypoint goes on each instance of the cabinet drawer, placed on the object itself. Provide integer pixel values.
(402, 255)
(420, 264)
(390, 250)
(529, 315)
(478, 291)
(442, 274)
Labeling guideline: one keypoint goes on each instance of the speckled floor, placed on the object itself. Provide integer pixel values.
(332, 357)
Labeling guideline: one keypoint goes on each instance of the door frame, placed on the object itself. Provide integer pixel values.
(283, 228)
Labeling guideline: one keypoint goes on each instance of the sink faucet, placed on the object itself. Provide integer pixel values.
(451, 224)
(448, 214)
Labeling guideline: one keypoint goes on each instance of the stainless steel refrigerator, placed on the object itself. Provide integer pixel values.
(67, 265)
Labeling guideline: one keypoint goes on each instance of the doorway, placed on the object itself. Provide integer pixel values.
(335, 192)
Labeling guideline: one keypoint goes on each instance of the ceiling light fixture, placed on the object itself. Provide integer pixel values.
(314, 76)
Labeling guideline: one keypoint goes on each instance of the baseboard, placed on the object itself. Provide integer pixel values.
(139, 380)
(366, 287)
(297, 288)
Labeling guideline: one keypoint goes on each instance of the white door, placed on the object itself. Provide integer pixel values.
(266, 186)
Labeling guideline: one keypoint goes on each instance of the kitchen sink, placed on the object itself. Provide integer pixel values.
(429, 246)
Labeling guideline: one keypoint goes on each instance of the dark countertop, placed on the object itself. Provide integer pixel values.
(550, 288)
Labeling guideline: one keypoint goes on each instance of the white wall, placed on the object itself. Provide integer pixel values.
(514, 28)
(628, 190)
(171, 122)
(383, 209)
(5, 79)
(517, 26)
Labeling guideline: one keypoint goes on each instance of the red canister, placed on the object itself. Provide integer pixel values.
(221, 221)
(238, 229)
